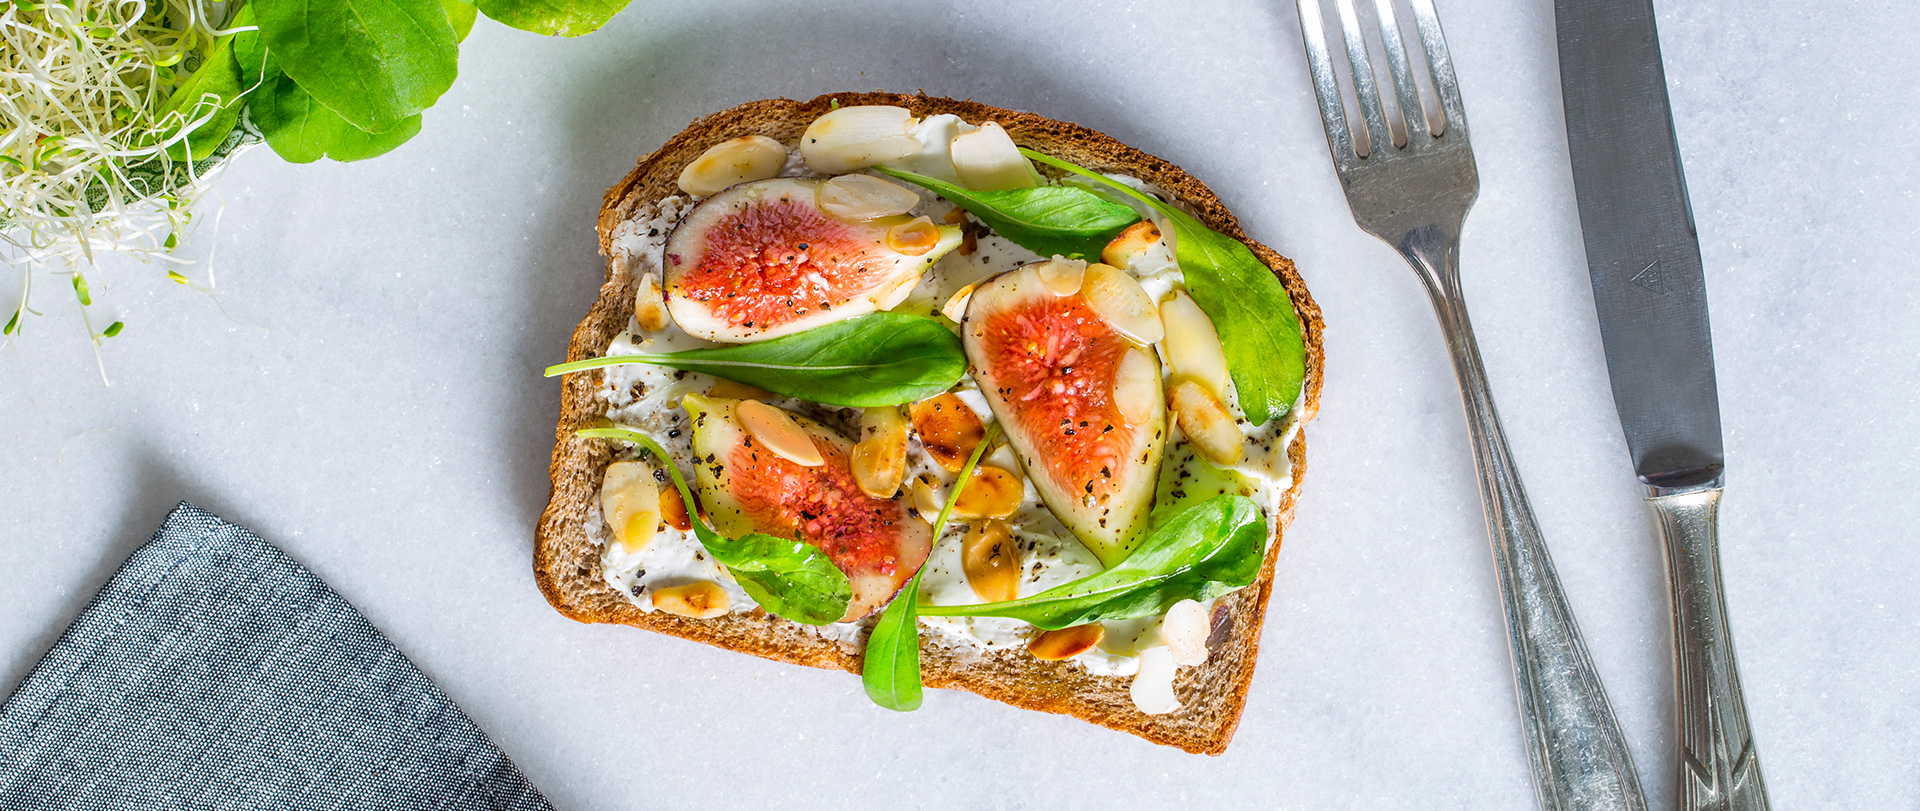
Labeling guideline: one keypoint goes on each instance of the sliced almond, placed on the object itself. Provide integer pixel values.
(915, 237)
(986, 159)
(1119, 300)
(1192, 345)
(1205, 421)
(1136, 386)
(700, 599)
(1066, 643)
(859, 198)
(956, 308)
(649, 304)
(948, 429)
(673, 509)
(1152, 688)
(928, 497)
(1185, 630)
(991, 561)
(853, 138)
(775, 429)
(732, 162)
(1139, 238)
(630, 502)
(1062, 276)
(880, 457)
(992, 492)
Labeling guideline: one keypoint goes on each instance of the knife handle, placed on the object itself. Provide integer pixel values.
(1579, 758)
(1719, 770)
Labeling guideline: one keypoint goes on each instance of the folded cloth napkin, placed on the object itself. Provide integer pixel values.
(213, 672)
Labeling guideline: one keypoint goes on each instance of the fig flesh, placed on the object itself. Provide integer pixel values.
(747, 488)
(1049, 366)
(761, 260)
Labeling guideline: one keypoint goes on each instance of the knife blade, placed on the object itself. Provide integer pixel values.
(1643, 257)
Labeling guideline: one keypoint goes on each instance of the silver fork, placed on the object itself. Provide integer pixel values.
(1415, 197)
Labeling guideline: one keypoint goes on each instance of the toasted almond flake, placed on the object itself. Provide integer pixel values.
(859, 198)
(880, 457)
(992, 492)
(991, 561)
(649, 306)
(1062, 276)
(775, 429)
(1067, 643)
(956, 308)
(700, 599)
(1139, 238)
(1119, 300)
(630, 502)
(732, 162)
(915, 237)
(1192, 344)
(947, 428)
(1205, 421)
(853, 138)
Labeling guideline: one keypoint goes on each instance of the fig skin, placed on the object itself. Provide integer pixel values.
(762, 259)
(746, 488)
(1047, 365)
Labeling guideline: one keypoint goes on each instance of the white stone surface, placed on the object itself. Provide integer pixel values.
(363, 390)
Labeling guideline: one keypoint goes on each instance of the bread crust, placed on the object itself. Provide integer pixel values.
(567, 563)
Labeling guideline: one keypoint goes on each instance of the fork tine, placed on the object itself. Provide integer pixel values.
(1378, 139)
(1326, 87)
(1440, 66)
(1412, 112)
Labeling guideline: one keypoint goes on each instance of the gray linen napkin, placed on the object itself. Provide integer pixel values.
(213, 672)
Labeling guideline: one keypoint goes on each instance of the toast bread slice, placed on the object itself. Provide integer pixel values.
(567, 563)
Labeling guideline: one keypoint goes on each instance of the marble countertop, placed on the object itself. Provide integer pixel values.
(362, 388)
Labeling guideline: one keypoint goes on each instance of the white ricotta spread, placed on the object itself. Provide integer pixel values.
(646, 398)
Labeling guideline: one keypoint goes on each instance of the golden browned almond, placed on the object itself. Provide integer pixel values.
(991, 561)
(993, 492)
(1066, 643)
(1206, 422)
(1139, 238)
(700, 599)
(927, 497)
(630, 501)
(1192, 345)
(673, 509)
(948, 428)
(915, 237)
(880, 457)
(1062, 276)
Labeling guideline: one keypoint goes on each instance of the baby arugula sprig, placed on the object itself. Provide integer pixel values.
(878, 359)
(786, 577)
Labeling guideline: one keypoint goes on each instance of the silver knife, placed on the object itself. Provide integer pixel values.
(1644, 258)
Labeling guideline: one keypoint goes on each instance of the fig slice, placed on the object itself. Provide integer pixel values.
(1049, 366)
(747, 488)
(761, 260)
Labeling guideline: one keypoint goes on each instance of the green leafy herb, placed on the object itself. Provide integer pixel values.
(214, 90)
(1205, 551)
(566, 18)
(113, 329)
(891, 668)
(1266, 351)
(461, 15)
(81, 291)
(1047, 220)
(789, 578)
(879, 359)
(301, 130)
(376, 63)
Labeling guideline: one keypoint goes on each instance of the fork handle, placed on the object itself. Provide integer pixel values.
(1580, 760)
(1719, 770)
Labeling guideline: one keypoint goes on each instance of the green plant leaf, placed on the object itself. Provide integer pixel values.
(890, 667)
(1047, 220)
(302, 130)
(788, 578)
(461, 14)
(113, 329)
(1206, 550)
(214, 89)
(878, 359)
(1250, 308)
(376, 63)
(564, 18)
(81, 291)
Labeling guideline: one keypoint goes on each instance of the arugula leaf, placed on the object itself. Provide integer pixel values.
(789, 578)
(1266, 350)
(890, 670)
(879, 359)
(301, 130)
(1047, 220)
(215, 88)
(375, 63)
(566, 18)
(1205, 551)
(461, 15)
